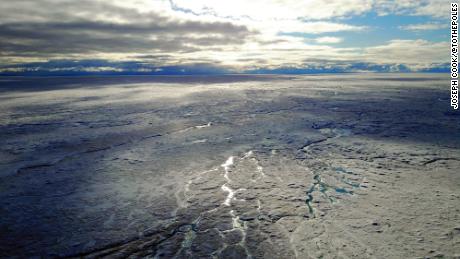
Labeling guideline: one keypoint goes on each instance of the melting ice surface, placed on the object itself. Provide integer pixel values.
(226, 167)
(230, 195)
(203, 126)
(224, 187)
(337, 132)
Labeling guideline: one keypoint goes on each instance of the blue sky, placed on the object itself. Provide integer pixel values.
(386, 28)
(200, 36)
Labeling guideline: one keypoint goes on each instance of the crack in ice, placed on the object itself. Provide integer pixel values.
(226, 167)
(230, 195)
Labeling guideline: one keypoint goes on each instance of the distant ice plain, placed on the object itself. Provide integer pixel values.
(352, 165)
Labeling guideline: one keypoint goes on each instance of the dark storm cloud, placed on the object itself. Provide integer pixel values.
(65, 32)
(86, 37)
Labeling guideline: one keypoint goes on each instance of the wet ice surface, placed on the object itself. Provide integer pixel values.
(229, 167)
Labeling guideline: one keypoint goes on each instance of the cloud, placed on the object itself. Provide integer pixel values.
(417, 54)
(424, 26)
(431, 8)
(328, 40)
(263, 10)
(64, 33)
(314, 27)
(279, 10)
(240, 34)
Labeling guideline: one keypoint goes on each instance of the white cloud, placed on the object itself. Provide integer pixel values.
(424, 26)
(314, 27)
(328, 40)
(264, 10)
(277, 9)
(416, 54)
(433, 8)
